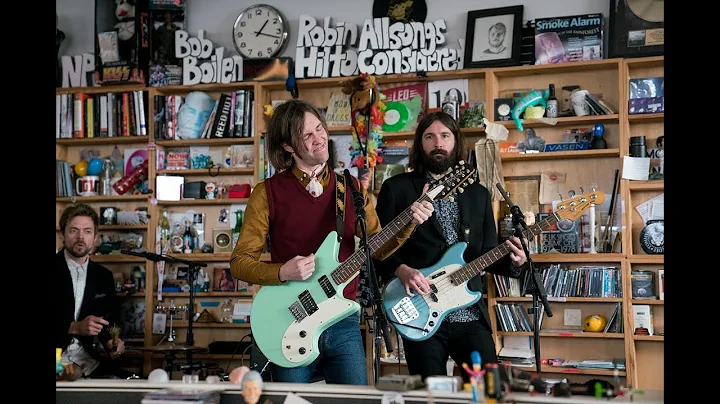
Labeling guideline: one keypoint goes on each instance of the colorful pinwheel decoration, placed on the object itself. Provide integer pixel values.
(367, 114)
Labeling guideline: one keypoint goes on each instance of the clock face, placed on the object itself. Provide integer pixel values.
(260, 31)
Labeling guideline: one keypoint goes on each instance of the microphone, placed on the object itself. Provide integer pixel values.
(386, 336)
(148, 255)
(357, 197)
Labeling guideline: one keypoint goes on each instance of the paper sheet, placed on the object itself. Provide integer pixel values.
(653, 209)
(293, 398)
(636, 168)
(551, 186)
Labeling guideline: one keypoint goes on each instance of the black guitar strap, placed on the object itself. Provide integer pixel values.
(340, 205)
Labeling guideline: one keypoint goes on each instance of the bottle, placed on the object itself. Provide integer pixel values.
(238, 225)
(598, 141)
(226, 312)
(164, 230)
(551, 111)
(188, 237)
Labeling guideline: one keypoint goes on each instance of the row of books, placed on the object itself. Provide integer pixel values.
(64, 185)
(82, 115)
(232, 116)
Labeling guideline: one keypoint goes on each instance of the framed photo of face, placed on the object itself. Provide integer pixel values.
(493, 36)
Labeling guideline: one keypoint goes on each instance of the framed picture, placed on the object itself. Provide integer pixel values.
(493, 37)
(637, 28)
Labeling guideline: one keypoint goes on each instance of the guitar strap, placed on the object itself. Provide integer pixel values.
(340, 205)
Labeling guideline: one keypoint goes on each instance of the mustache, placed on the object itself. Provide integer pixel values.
(439, 151)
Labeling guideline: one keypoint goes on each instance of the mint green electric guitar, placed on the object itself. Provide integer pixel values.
(287, 319)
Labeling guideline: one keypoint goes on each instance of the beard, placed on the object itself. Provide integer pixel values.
(78, 250)
(438, 161)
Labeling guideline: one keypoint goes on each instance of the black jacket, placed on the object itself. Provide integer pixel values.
(427, 244)
(99, 300)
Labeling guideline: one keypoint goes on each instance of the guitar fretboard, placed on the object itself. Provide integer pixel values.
(351, 266)
(479, 264)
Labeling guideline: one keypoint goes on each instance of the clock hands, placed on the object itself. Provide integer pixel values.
(262, 33)
(258, 32)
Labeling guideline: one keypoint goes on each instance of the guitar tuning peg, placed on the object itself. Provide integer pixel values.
(582, 191)
(461, 189)
(561, 197)
(470, 181)
(451, 199)
(462, 162)
(571, 193)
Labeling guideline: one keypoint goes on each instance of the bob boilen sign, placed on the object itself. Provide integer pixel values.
(381, 48)
(203, 63)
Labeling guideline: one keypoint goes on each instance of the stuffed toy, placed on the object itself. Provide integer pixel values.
(531, 99)
(367, 116)
(125, 13)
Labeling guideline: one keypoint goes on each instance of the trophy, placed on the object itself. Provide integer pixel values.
(114, 331)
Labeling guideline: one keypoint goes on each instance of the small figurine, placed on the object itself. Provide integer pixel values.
(476, 376)
(252, 385)
(58, 362)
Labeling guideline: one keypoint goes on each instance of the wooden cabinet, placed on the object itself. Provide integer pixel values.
(609, 77)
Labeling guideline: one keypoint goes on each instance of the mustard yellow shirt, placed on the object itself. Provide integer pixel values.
(245, 261)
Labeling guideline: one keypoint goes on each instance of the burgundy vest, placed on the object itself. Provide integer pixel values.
(299, 222)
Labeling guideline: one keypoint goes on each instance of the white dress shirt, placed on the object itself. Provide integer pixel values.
(76, 353)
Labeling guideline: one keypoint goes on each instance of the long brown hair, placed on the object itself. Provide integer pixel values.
(286, 127)
(416, 152)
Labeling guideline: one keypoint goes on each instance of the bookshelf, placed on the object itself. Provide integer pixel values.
(643, 354)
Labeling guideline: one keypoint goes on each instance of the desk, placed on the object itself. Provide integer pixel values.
(132, 391)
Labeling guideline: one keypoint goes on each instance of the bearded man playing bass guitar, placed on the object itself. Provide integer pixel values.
(467, 217)
(297, 209)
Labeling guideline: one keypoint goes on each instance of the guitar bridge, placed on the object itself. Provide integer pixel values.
(297, 311)
(405, 311)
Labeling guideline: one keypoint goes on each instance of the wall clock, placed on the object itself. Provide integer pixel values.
(260, 31)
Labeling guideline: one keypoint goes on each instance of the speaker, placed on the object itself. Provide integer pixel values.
(222, 241)
(258, 361)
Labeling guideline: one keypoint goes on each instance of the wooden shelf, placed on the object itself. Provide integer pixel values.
(560, 155)
(656, 338)
(101, 89)
(226, 141)
(208, 88)
(117, 258)
(569, 334)
(658, 259)
(651, 185)
(111, 198)
(646, 62)
(577, 371)
(559, 257)
(566, 121)
(207, 294)
(99, 141)
(558, 68)
(647, 301)
(643, 118)
(126, 294)
(204, 202)
(184, 324)
(208, 171)
(563, 299)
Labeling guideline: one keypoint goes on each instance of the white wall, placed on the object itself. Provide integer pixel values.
(216, 17)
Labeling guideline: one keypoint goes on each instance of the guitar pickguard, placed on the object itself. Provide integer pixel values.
(446, 297)
(299, 336)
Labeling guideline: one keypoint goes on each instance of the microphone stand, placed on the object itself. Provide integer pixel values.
(194, 267)
(380, 321)
(536, 287)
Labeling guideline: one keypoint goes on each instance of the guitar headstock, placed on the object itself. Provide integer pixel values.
(572, 209)
(461, 173)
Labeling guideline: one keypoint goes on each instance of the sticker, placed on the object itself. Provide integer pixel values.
(392, 397)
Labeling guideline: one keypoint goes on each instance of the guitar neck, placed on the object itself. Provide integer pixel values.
(479, 264)
(350, 267)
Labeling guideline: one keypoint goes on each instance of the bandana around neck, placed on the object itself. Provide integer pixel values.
(314, 186)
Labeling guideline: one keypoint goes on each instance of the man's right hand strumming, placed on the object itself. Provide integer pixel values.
(297, 269)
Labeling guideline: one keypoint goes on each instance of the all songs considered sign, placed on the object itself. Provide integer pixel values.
(377, 48)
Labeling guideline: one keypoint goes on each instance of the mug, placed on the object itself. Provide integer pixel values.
(579, 104)
(87, 185)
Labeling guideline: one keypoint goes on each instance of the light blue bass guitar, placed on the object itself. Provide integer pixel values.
(417, 318)
(287, 320)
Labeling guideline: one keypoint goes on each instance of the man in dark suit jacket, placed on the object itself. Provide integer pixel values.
(467, 217)
(85, 301)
